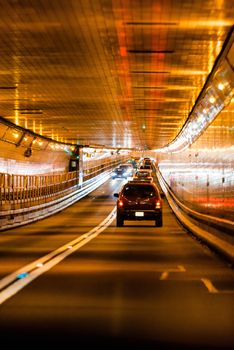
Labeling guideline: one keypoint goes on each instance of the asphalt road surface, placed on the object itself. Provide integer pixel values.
(76, 280)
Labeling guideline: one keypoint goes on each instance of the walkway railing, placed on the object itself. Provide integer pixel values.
(21, 191)
(24, 199)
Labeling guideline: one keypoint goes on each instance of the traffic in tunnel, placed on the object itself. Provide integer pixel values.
(116, 173)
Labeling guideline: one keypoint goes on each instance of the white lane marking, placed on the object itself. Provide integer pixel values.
(164, 275)
(211, 288)
(39, 265)
(42, 265)
(8, 279)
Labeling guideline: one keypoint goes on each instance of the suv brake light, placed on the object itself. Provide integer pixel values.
(158, 205)
(120, 203)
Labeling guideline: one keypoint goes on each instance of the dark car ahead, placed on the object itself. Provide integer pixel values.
(139, 201)
(123, 171)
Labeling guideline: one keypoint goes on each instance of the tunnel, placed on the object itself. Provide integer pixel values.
(89, 86)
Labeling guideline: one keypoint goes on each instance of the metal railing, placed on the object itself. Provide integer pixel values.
(22, 191)
(25, 199)
(27, 190)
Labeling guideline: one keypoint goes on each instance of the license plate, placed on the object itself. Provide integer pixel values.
(139, 213)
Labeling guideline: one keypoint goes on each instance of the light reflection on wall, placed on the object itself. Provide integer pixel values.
(11, 166)
(199, 165)
(202, 177)
(24, 153)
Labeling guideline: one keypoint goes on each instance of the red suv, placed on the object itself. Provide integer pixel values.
(139, 201)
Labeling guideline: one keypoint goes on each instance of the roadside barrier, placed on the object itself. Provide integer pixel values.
(220, 238)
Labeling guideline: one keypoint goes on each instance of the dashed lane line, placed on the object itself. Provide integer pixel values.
(165, 274)
(209, 285)
(207, 282)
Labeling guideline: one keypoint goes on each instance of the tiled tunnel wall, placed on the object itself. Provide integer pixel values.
(202, 177)
(13, 161)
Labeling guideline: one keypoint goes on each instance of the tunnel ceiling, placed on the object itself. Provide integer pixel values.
(101, 72)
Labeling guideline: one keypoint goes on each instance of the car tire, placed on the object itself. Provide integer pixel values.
(158, 222)
(119, 221)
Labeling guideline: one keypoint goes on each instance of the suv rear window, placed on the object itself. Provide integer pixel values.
(139, 191)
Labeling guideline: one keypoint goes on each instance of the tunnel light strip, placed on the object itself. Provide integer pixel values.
(197, 123)
(17, 280)
(216, 94)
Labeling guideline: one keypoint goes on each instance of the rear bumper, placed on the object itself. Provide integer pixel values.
(140, 214)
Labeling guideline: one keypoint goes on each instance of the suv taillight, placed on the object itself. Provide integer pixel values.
(120, 203)
(158, 204)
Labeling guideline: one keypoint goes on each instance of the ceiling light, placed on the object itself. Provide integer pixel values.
(221, 86)
(151, 51)
(152, 23)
